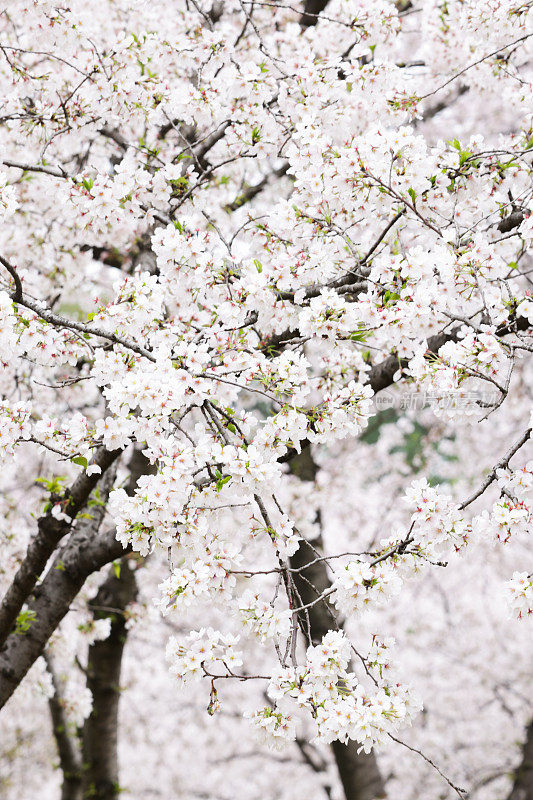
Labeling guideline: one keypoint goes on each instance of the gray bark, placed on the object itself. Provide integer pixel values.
(80, 557)
(67, 745)
(50, 531)
(523, 781)
(100, 732)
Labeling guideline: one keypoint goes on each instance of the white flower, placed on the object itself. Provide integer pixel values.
(519, 592)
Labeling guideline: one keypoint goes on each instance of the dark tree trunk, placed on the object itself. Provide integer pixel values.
(523, 782)
(312, 9)
(100, 732)
(67, 744)
(359, 772)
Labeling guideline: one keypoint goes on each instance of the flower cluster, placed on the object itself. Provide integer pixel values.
(519, 592)
(14, 426)
(438, 524)
(200, 652)
(361, 584)
(340, 706)
(273, 727)
(263, 618)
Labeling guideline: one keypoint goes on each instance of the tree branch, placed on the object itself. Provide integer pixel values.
(17, 294)
(50, 531)
(80, 557)
(85, 552)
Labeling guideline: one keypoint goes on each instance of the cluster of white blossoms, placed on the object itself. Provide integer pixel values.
(77, 702)
(343, 413)
(438, 528)
(14, 426)
(339, 704)
(438, 524)
(8, 197)
(512, 514)
(200, 652)
(262, 618)
(518, 481)
(379, 654)
(272, 727)
(519, 591)
(185, 586)
(95, 630)
(465, 375)
(361, 584)
(508, 518)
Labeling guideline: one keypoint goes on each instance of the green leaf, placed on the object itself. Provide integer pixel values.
(53, 485)
(221, 479)
(455, 143)
(80, 460)
(24, 621)
(96, 499)
(359, 335)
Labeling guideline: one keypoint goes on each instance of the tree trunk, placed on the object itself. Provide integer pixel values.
(523, 782)
(100, 732)
(67, 745)
(312, 9)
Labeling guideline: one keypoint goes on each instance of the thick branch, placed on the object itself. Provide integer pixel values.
(80, 557)
(17, 295)
(50, 531)
(84, 553)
